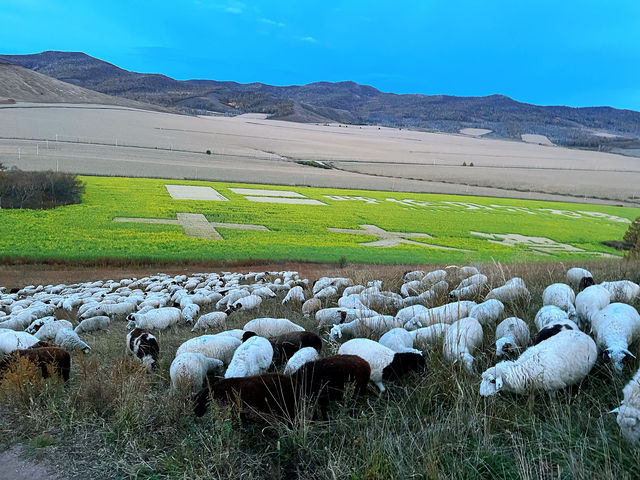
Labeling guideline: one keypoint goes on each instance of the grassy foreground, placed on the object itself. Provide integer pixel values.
(113, 421)
(301, 232)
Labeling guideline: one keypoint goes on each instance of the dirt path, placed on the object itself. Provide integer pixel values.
(14, 466)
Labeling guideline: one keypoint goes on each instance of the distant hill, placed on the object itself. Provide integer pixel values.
(22, 84)
(345, 102)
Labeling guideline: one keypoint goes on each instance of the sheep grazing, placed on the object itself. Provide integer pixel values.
(623, 291)
(271, 327)
(579, 278)
(298, 359)
(412, 276)
(430, 298)
(48, 359)
(385, 363)
(295, 295)
(589, 302)
(221, 346)
(470, 288)
(93, 324)
(512, 336)
(249, 302)
(629, 410)
(311, 306)
(449, 313)
(270, 393)
(189, 312)
(560, 361)
(615, 327)
(427, 337)
(70, 341)
(487, 312)
(287, 344)
(210, 320)
(562, 296)
(189, 371)
(515, 290)
(364, 326)
(253, 357)
(49, 330)
(461, 340)
(549, 314)
(553, 328)
(398, 340)
(143, 345)
(158, 319)
(11, 341)
(328, 378)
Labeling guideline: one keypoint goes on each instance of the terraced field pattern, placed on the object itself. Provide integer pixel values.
(197, 220)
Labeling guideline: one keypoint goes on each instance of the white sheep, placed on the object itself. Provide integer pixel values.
(11, 340)
(298, 359)
(563, 360)
(49, 330)
(311, 306)
(433, 277)
(210, 320)
(579, 278)
(253, 357)
(69, 340)
(118, 309)
(188, 371)
(296, 294)
(249, 302)
(615, 327)
(461, 340)
(385, 363)
(470, 287)
(514, 290)
(589, 302)
(399, 340)
(364, 326)
(221, 346)
(562, 296)
(412, 276)
(158, 319)
(512, 335)
(549, 314)
(624, 291)
(429, 298)
(449, 313)
(427, 337)
(629, 410)
(190, 311)
(271, 327)
(92, 324)
(487, 312)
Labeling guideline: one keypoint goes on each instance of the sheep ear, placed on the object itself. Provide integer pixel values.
(498, 383)
(615, 410)
(628, 353)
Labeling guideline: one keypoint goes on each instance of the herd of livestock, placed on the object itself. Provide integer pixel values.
(377, 335)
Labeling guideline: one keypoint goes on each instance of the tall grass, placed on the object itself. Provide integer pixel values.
(115, 421)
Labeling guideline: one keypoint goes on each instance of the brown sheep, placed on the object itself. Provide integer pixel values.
(328, 377)
(270, 393)
(285, 345)
(54, 359)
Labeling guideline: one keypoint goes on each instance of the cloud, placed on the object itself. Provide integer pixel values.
(268, 21)
(309, 39)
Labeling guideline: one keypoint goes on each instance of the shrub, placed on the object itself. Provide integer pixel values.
(38, 190)
(208, 152)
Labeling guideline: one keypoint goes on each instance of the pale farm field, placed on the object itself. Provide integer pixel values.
(103, 140)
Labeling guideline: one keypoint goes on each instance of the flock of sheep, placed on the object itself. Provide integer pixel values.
(379, 335)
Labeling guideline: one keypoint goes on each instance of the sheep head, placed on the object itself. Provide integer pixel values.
(504, 346)
(628, 420)
(617, 356)
(491, 384)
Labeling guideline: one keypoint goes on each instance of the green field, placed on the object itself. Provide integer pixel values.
(519, 230)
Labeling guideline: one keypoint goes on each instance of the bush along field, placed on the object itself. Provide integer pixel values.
(113, 420)
(150, 218)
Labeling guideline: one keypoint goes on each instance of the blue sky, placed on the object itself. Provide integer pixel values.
(560, 52)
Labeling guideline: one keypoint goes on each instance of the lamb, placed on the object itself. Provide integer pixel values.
(616, 327)
(253, 357)
(69, 340)
(487, 312)
(158, 319)
(298, 359)
(629, 410)
(270, 393)
(562, 296)
(461, 340)
(385, 363)
(49, 359)
(210, 320)
(427, 337)
(549, 314)
(399, 340)
(589, 302)
(579, 278)
(512, 336)
(143, 345)
(327, 379)
(271, 327)
(287, 344)
(189, 371)
(623, 291)
(221, 346)
(553, 328)
(560, 361)
(11, 341)
(93, 324)
(295, 295)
